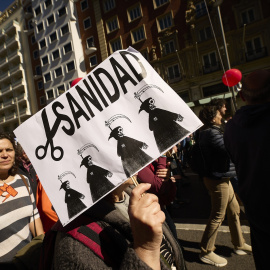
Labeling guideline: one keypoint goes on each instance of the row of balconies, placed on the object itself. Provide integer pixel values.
(11, 101)
(13, 86)
(13, 116)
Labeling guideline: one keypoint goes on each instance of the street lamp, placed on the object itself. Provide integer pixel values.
(217, 3)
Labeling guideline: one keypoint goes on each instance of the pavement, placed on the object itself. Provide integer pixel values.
(190, 220)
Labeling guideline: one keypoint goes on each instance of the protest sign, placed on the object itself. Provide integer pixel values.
(116, 120)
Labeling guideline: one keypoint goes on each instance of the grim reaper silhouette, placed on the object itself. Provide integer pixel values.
(163, 123)
(72, 197)
(130, 150)
(96, 176)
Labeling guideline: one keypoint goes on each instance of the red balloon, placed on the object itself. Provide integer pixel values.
(75, 81)
(232, 77)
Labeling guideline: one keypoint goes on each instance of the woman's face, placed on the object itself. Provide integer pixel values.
(7, 155)
(217, 119)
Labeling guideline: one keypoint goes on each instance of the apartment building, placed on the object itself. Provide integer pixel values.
(183, 40)
(190, 44)
(59, 43)
(17, 92)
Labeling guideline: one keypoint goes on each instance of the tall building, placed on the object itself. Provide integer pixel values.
(60, 50)
(189, 43)
(18, 94)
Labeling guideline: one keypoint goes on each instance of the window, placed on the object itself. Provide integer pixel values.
(247, 16)
(200, 9)
(55, 54)
(42, 43)
(70, 66)
(67, 48)
(173, 72)
(50, 19)
(50, 94)
(30, 24)
(205, 33)
(158, 3)
(33, 39)
(58, 72)
(210, 63)
(169, 47)
(165, 22)
(138, 35)
(90, 42)
(45, 60)
(112, 25)
(38, 70)
(42, 100)
(53, 37)
(64, 29)
(93, 60)
(255, 49)
(36, 54)
(108, 5)
(40, 85)
(61, 89)
(40, 27)
(145, 54)
(37, 11)
(134, 13)
(62, 11)
(116, 45)
(84, 5)
(185, 96)
(47, 3)
(210, 59)
(87, 23)
(47, 77)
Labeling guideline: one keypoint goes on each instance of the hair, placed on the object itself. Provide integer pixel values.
(13, 170)
(206, 115)
(256, 87)
(218, 102)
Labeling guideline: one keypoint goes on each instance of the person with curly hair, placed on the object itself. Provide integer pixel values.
(19, 217)
(219, 171)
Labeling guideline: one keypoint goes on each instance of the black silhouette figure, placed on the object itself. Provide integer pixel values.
(164, 125)
(97, 179)
(72, 199)
(130, 151)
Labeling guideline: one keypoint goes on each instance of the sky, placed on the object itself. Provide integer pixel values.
(5, 3)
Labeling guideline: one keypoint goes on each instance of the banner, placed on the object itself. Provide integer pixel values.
(115, 121)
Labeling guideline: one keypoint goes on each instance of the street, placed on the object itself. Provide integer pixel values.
(190, 220)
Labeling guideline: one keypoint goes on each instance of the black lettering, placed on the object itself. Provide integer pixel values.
(98, 91)
(62, 117)
(125, 78)
(140, 76)
(93, 99)
(76, 114)
(116, 94)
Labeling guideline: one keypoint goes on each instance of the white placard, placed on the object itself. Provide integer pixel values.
(116, 120)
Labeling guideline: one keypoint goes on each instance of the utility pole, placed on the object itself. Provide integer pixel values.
(217, 3)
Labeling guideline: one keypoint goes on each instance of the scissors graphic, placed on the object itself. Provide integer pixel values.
(50, 133)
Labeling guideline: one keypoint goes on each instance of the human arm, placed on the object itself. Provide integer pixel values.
(146, 219)
(38, 225)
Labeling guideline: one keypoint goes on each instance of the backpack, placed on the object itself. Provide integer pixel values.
(84, 230)
(196, 160)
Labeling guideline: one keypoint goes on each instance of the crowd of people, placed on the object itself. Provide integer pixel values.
(136, 230)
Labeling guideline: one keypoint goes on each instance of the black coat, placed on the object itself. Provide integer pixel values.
(215, 154)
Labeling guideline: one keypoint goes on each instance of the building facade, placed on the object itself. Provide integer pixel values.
(189, 43)
(18, 93)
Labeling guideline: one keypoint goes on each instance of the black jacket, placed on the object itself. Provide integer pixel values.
(216, 158)
(247, 141)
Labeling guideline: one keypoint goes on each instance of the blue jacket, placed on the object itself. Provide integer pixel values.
(217, 160)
